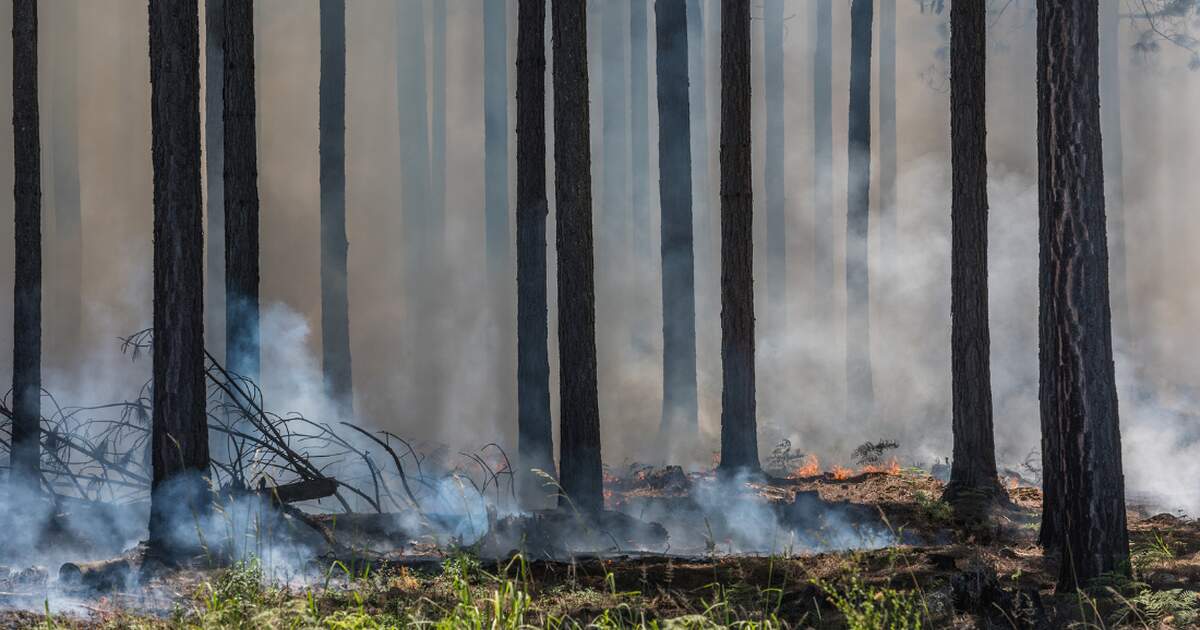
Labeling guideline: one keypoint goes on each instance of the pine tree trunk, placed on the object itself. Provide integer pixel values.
(680, 406)
(1114, 166)
(1083, 512)
(773, 166)
(887, 131)
(335, 300)
(419, 223)
(64, 136)
(615, 206)
(535, 439)
(25, 454)
(495, 97)
(242, 353)
(859, 388)
(179, 440)
(701, 165)
(580, 465)
(823, 266)
(437, 112)
(739, 437)
(639, 126)
(214, 156)
(973, 476)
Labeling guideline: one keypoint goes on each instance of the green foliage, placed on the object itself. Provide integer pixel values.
(933, 509)
(1151, 551)
(870, 608)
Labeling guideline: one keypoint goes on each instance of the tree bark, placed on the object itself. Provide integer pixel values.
(639, 126)
(579, 414)
(64, 136)
(419, 222)
(887, 131)
(25, 453)
(680, 406)
(535, 439)
(495, 122)
(973, 478)
(179, 440)
(615, 202)
(859, 388)
(706, 232)
(335, 300)
(773, 166)
(214, 156)
(739, 437)
(1083, 512)
(821, 300)
(437, 113)
(242, 353)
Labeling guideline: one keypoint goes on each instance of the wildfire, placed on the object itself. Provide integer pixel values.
(810, 468)
(841, 472)
(891, 468)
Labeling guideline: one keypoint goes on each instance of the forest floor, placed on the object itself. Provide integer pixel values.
(945, 574)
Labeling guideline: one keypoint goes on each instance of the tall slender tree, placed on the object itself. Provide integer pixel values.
(639, 125)
(680, 407)
(25, 453)
(739, 428)
(614, 86)
(822, 164)
(1114, 165)
(773, 167)
(495, 131)
(214, 163)
(973, 471)
(335, 301)
(420, 225)
(179, 438)
(701, 162)
(887, 129)
(437, 111)
(859, 388)
(68, 219)
(580, 466)
(242, 351)
(535, 439)
(1083, 512)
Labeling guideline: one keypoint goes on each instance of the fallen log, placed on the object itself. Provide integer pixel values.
(304, 490)
(102, 576)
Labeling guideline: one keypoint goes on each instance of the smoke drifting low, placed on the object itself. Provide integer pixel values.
(455, 382)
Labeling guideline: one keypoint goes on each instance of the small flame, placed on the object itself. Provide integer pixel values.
(810, 468)
(841, 472)
(1013, 482)
(892, 468)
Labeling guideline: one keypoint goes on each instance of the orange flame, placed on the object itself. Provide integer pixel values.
(840, 472)
(892, 468)
(810, 468)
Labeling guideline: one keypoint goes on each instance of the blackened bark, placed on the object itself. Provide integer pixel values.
(739, 431)
(335, 300)
(214, 160)
(27, 287)
(823, 269)
(535, 439)
(639, 126)
(64, 138)
(773, 179)
(242, 353)
(973, 471)
(615, 206)
(859, 389)
(179, 441)
(579, 414)
(495, 131)
(1083, 511)
(420, 225)
(680, 407)
(706, 232)
(1114, 167)
(887, 131)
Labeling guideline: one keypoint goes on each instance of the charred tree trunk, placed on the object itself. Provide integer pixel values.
(179, 440)
(774, 182)
(25, 453)
(680, 406)
(973, 476)
(335, 300)
(495, 131)
(64, 136)
(580, 467)
(242, 353)
(860, 397)
(615, 135)
(214, 156)
(535, 439)
(639, 126)
(887, 131)
(419, 223)
(823, 273)
(437, 114)
(1083, 513)
(739, 430)
(1114, 166)
(701, 164)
